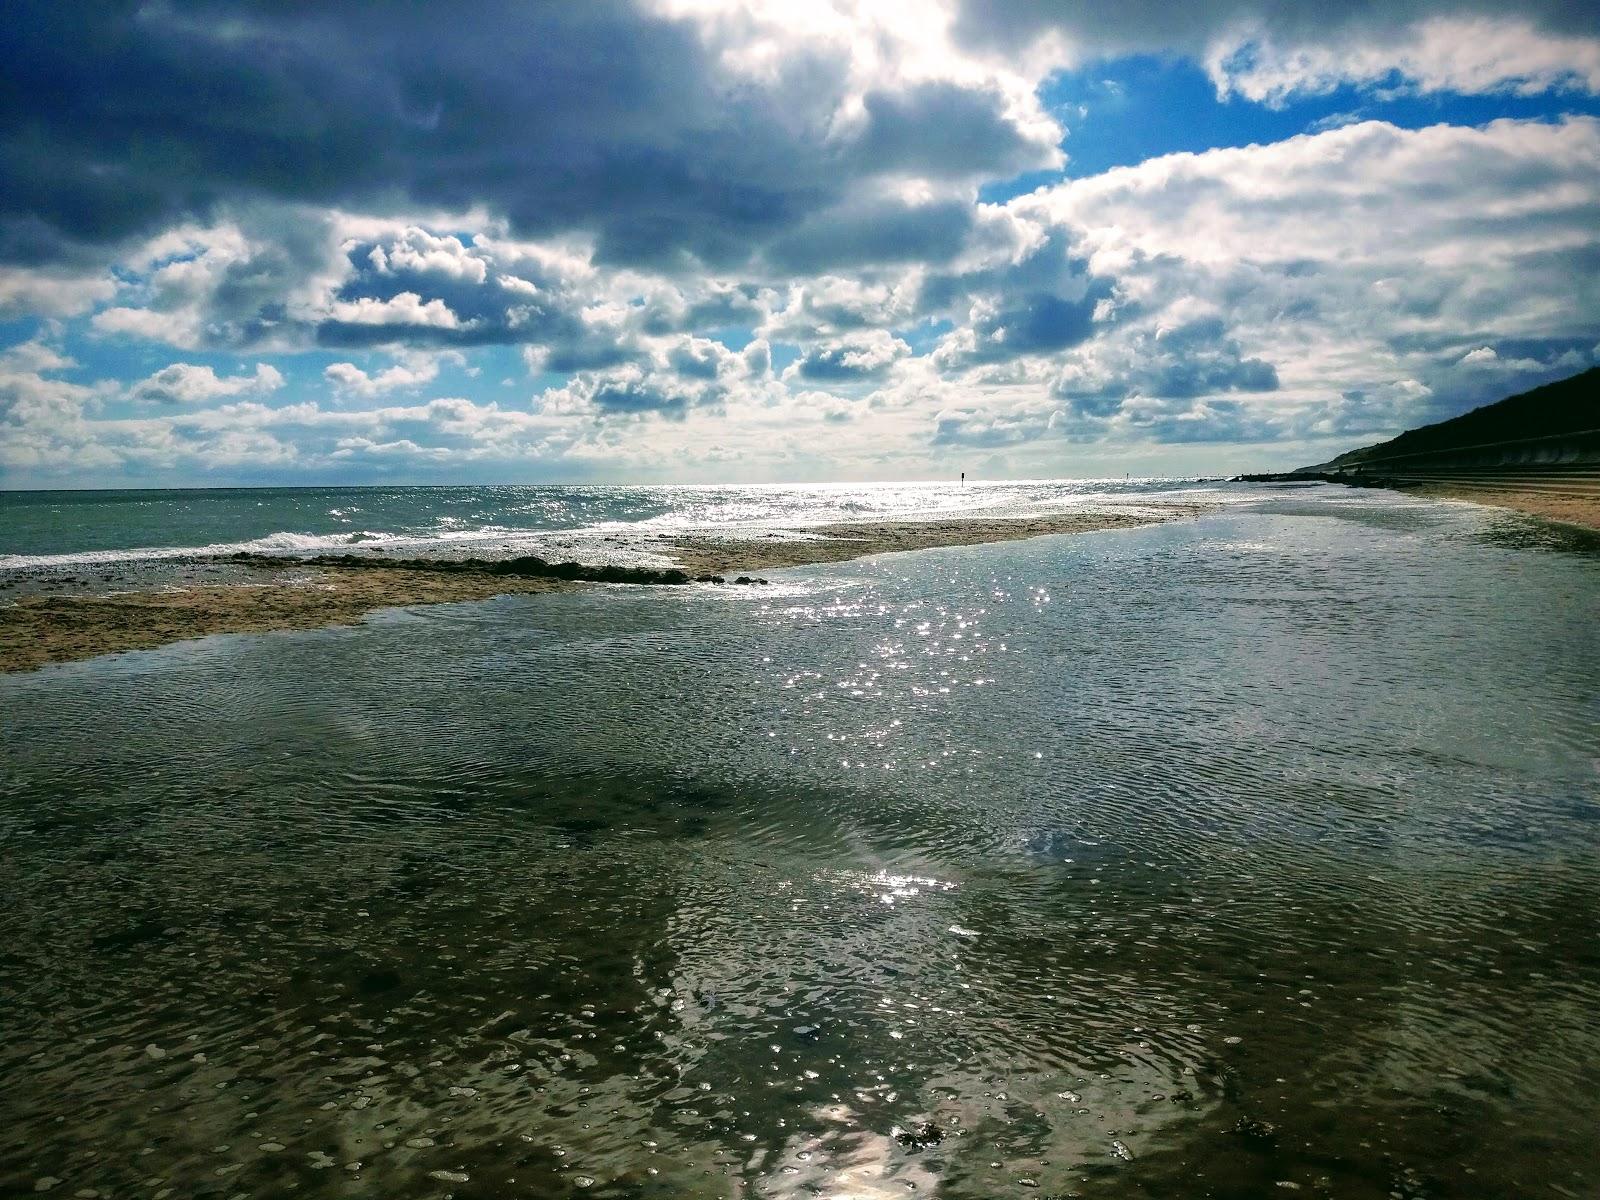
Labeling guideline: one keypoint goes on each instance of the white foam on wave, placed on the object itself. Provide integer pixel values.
(735, 515)
(586, 544)
(791, 517)
(284, 542)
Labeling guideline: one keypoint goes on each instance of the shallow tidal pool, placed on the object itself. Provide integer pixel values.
(1247, 856)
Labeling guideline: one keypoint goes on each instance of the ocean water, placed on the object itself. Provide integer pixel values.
(1244, 856)
(76, 529)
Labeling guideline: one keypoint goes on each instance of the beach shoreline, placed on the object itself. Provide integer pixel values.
(1582, 511)
(283, 593)
(1564, 501)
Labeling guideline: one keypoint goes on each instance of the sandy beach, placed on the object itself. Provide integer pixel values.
(1568, 509)
(293, 593)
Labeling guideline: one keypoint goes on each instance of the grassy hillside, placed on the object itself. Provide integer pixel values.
(1570, 407)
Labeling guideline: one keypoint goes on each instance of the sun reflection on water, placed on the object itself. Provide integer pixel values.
(1055, 865)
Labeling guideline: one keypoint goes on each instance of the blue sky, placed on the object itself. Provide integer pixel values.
(682, 240)
(1123, 111)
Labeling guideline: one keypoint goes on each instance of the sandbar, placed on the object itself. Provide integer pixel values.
(300, 593)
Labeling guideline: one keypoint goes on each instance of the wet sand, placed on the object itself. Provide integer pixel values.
(842, 542)
(1568, 509)
(37, 630)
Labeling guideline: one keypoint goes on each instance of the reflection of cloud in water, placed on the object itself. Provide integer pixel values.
(642, 889)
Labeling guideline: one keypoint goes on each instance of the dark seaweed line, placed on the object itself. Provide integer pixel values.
(528, 566)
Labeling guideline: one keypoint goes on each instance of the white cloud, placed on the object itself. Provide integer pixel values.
(412, 370)
(831, 305)
(248, 280)
(1471, 55)
(43, 421)
(175, 329)
(1372, 190)
(185, 383)
(403, 308)
(417, 250)
(632, 393)
(882, 46)
(33, 357)
(45, 293)
(1328, 285)
(1322, 286)
(868, 354)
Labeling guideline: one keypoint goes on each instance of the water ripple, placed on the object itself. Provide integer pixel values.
(1255, 851)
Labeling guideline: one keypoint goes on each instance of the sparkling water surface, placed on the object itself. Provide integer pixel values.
(1235, 857)
(70, 529)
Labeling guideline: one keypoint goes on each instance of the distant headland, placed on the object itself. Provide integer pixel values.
(1537, 452)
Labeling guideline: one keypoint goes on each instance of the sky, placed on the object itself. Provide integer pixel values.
(779, 240)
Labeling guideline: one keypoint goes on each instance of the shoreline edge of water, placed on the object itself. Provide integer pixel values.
(309, 593)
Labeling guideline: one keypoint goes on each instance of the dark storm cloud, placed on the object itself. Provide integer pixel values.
(488, 304)
(980, 430)
(1166, 421)
(122, 118)
(638, 396)
(840, 364)
(1178, 423)
(873, 231)
(942, 129)
(695, 361)
(1199, 359)
(1183, 362)
(632, 393)
(1043, 302)
(1033, 323)
(718, 306)
(239, 298)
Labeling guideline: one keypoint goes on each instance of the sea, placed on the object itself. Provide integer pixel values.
(1245, 855)
(66, 529)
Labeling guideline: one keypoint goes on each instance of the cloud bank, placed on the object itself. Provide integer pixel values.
(689, 239)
